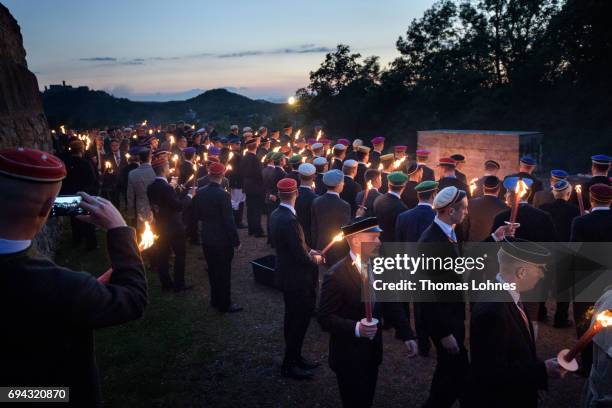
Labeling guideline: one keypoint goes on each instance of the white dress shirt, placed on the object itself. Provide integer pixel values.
(289, 207)
(446, 228)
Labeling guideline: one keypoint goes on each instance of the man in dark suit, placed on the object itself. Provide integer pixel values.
(186, 180)
(482, 211)
(167, 213)
(378, 145)
(329, 214)
(600, 165)
(114, 161)
(505, 370)
(593, 227)
(545, 196)
(444, 318)
(562, 214)
(363, 156)
(491, 168)
(534, 225)
(422, 155)
(339, 153)
(449, 178)
(250, 169)
(213, 207)
(459, 162)
(367, 208)
(186, 166)
(320, 164)
(355, 344)
(51, 310)
(294, 163)
(306, 195)
(409, 194)
(236, 180)
(409, 226)
(297, 275)
(389, 206)
(272, 174)
(80, 176)
(527, 166)
(351, 187)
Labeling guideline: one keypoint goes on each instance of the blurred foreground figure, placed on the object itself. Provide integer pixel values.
(49, 312)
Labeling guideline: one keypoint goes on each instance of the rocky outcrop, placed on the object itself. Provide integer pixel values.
(22, 119)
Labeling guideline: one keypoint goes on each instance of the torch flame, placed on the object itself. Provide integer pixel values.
(244, 152)
(605, 318)
(370, 185)
(205, 156)
(368, 165)
(380, 167)
(520, 189)
(228, 167)
(297, 134)
(319, 135)
(127, 156)
(230, 156)
(195, 167)
(175, 158)
(263, 159)
(150, 131)
(398, 163)
(107, 164)
(147, 239)
(276, 149)
(171, 140)
(578, 189)
(338, 237)
(473, 185)
(144, 123)
(329, 151)
(62, 128)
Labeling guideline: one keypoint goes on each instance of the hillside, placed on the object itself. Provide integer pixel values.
(82, 107)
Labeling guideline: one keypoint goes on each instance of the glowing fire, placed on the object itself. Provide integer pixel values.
(150, 131)
(147, 239)
(276, 149)
(244, 152)
(368, 165)
(578, 189)
(171, 140)
(521, 189)
(329, 151)
(195, 167)
(297, 134)
(144, 123)
(175, 158)
(107, 164)
(62, 129)
(605, 318)
(128, 156)
(473, 185)
(380, 167)
(205, 156)
(338, 237)
(319, 135)
(370, 185)
(228, 167)
(230, 156)
(398, 163)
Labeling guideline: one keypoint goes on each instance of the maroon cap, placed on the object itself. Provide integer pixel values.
(378, 140)
(216, 169)
(601, 192)
(400, 148)
(159, 161)
(287, 185)
(325, 142)
(31, 164)
(448, 162)
(345, 142)
(422, 153)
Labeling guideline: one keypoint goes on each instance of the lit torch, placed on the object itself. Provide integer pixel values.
(297, 134)
(365, 194)
(519, 191)
(473, 185)
(398, 163)
(337, 238)
(579, 197)
(380, 167)
(566, 358)
(147, 239)
(319, 135)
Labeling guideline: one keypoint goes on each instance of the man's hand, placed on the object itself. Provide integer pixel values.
(507, 230)
(553, 369)
(450, 344)
(367, 331)
(102, 213)
(316, 257)
(412, 347)
(360, 211)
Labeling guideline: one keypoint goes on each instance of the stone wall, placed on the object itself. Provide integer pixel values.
(22, 119)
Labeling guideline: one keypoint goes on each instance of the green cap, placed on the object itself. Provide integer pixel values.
(426, 186)
(295, 159)
(268, 156)
(397, 178)
(277, 156)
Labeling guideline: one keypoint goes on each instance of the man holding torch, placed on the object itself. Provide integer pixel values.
(355, 345)
(297, 275)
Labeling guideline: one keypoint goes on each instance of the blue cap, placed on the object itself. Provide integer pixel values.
(234, 140)
(333, 177)
(134, 150)
(528, 160)
(561, 185)
(601, 159)
(559, 174)
(215, 138)
(510, 182)
(223, 140)
(189, 150)
(214, 151)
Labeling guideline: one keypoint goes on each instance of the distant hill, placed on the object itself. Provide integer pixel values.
(82, 107)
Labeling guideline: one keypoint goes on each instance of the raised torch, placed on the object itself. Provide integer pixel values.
(567, 357)
(579, 197)
(337, 238)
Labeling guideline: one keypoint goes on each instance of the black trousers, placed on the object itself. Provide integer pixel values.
(83, 231)
(421, 330)
(357, 386)
(255, 207)
(219, 260)
(299, 308)
(171, 240)
(449, 379)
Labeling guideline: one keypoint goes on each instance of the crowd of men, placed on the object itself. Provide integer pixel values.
(193, 186)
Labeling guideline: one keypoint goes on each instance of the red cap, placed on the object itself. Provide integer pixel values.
(216, 169)
(159, 161)
(378, 140)
(31, 164)
(422, 153)
(447, 161)
(601, 192)
(325, 142)
(400, 148)
(312, 141)
(345, 142)
(287, 185)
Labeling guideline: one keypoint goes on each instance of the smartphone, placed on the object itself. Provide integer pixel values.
(67, 205)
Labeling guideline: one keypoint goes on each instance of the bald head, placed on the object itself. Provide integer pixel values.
(24, 207)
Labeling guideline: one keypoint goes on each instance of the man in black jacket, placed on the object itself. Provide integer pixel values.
(297, 275)
(52, 311)
(351, 187)
(306, 195)
(320, 164)
(213, 207)
(366, 208)
(339, 153)
(527, 166)
(482, 211)
(167, 210)
(600, 165)
(355, 345)
(505, 370)
(389, 206)
(409, 194)
(448, 177)
(250, 169)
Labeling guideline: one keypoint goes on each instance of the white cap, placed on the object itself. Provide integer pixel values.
(339, 146)
(357, 142)
(448, 196)
(319, 161)
(317, 145)
(234, 127)
(349, 163)
(307, 169)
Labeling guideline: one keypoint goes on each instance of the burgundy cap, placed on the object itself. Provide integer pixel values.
(345, 142)
(31, 164)
(216, 169)
(287, 185)
(312, 141)
(601, 192)
(378, 140)
(422, 153)
(159, 161)
(447, 161)
(400, 148)
(325, 142)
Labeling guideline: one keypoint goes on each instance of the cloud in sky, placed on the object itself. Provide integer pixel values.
(98, 59)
